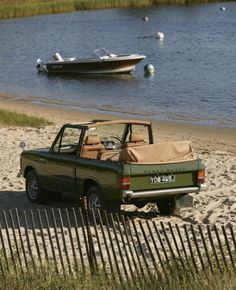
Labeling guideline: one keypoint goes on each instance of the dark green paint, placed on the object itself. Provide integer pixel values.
(72, 174)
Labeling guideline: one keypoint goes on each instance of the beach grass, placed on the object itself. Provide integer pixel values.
(47, 276)
(10, 118)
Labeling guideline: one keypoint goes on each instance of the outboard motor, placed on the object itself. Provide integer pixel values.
(57, 57)
(40, 66)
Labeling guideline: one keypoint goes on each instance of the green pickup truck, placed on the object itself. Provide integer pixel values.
(113, 163)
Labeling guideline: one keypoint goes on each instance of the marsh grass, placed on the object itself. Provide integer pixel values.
(10, 118)
(21, 8)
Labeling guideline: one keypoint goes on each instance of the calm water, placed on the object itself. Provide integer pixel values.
(195, 65)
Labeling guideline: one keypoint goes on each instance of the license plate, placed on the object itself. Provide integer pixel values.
(162, 179)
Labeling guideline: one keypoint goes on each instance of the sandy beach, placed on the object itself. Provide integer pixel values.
(216, 206)
(217, 146)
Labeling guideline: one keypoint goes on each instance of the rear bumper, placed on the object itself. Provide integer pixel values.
(129, 194)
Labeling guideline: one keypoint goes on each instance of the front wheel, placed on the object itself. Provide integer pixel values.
(33, 188)
(167, 206)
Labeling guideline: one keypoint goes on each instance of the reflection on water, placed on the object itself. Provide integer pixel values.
(95, 77)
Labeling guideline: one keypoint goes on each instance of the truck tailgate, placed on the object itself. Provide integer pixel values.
(162, 176)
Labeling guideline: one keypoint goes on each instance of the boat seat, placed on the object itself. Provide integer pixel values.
(135, 139)
(92, 147)
(57, 57)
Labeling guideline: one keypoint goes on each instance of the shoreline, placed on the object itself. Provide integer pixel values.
(108, 110)
(35, 8)
(216, 137)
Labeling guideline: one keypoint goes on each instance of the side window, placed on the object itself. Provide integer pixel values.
(68, 142)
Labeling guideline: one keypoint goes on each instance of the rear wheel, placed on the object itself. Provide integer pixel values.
(34, 191)
(167, 206)
(95, 201)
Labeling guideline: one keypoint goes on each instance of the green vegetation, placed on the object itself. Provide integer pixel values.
(21, 8)
(9, 118)
(47, 277)
(13, 9)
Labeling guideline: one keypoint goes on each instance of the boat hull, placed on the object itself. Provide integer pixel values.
(116, 65)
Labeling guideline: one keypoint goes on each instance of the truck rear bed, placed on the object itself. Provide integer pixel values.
(153, 181)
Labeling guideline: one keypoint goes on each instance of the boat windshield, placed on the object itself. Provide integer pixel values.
(103, 53)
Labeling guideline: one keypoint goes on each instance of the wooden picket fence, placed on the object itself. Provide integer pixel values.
(73, 239)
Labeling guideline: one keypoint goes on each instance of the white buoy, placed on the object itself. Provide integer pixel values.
(145, 18)
(160, 35)
(222, 8)
(149, 69)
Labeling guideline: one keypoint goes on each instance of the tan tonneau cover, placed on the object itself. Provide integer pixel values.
(168, 152)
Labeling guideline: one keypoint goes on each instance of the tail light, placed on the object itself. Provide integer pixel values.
(201, 176)
(125, 182)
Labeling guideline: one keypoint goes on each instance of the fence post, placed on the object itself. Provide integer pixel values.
(91, 253)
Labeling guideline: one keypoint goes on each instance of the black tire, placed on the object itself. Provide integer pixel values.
(34, 191)
(167, 206)
(140, 204)
(96, 201)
